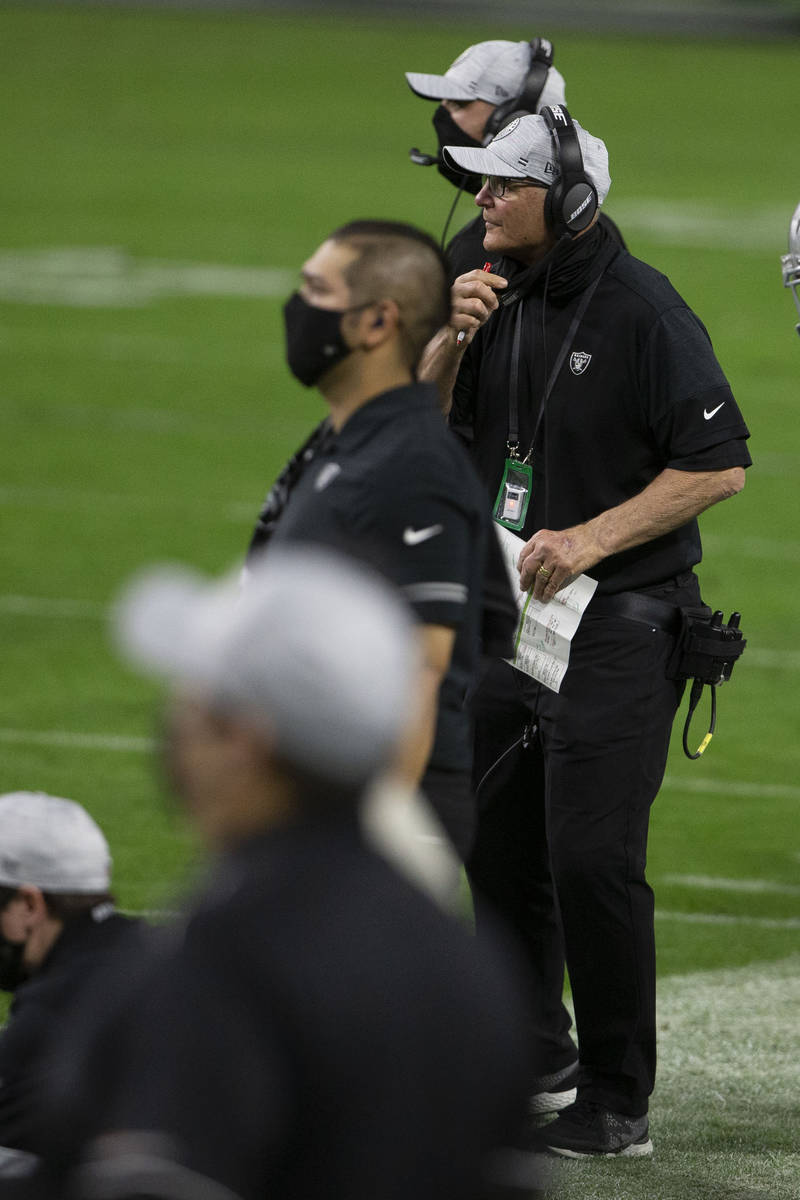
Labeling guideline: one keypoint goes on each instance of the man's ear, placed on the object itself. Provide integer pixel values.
(32, 902)
(381, 321)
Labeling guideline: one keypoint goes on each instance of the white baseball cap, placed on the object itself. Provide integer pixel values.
(314, 648)
(51, 843)
(525, 149)
(492, 71)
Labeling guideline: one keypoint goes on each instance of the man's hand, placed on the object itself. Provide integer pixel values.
(552, 558)
(473, 302)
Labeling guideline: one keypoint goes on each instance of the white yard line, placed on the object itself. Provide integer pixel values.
(730, 787)
(49, 607)
(78, 741)
(705, 226)
(109, 277)
(698, 918)
(107, 741)
(77, 500)
(715, 883)
(65, 608)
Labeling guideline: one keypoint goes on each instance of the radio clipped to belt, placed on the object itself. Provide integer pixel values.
(705, 652)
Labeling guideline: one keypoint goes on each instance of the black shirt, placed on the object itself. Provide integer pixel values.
(40, 1010)
(319, 1028)
(639, 390)
(394, 487)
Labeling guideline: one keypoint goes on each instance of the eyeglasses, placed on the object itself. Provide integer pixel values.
(500, 186)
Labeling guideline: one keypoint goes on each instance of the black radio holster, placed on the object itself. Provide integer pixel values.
(706, 650)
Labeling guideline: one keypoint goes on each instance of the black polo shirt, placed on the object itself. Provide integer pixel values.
(41, 1009)
(639, 390)
(394, 487)
(319, 1029)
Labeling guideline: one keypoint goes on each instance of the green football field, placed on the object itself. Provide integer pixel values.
(165, 174)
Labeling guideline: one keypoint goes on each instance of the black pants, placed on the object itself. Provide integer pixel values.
(451, 797)
(565, 783)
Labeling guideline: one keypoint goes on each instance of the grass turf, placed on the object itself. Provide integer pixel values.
(149, 428)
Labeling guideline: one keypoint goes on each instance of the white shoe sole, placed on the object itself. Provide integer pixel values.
(635, 1150)
(549, 1102)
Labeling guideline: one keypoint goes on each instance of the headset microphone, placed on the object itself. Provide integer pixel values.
(422, 160)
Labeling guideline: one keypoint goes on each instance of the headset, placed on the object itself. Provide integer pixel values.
(532, 88)
(571, 201)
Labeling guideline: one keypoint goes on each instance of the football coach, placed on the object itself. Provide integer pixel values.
(587, 380)
(385, 478)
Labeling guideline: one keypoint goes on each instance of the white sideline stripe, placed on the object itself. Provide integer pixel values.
(121, 742)
(718, 884)
(728, 919)
(61, 499)
(765, 549)
(702, 225)
(92, 610)
(787, 660)
(43, 606)
(109, 277)
(690, 918)
(729, 787)
(78, 741)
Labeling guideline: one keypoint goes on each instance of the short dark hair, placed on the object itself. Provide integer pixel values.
(64, 906)
(399, 262)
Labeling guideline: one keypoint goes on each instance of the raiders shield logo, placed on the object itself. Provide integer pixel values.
(579, 361)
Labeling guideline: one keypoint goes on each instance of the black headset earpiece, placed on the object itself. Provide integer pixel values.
(525, 103)
(571, 202)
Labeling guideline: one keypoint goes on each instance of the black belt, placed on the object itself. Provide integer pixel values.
(634, 606)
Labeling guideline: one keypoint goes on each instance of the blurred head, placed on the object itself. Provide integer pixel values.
(55, 866)
(288, 696)
(488, 85)
(373, 288)
(531, 196)
(790, 263)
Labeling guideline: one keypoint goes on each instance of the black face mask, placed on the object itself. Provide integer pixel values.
(449, 134)
(314, 340)
(13, 972)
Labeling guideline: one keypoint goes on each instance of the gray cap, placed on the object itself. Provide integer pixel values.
(525, 149)
(51, 843)
(492, 71)
(318, 651)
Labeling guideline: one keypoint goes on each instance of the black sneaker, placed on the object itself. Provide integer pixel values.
(553, 1092)
(586, 1128)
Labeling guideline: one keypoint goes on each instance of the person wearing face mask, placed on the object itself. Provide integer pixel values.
(384, 476)
(58, 924)
(487, 87)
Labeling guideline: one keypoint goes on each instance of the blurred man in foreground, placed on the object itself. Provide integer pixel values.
(58, 925)
(790, 262)
(319, 1027)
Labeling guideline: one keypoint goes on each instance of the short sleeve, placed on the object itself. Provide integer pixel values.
(690, 407)
(423, 527)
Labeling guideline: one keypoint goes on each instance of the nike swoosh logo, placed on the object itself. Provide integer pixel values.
(412, 537)
(708, 415)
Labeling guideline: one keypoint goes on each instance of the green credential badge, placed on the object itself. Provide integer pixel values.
(514, 494)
